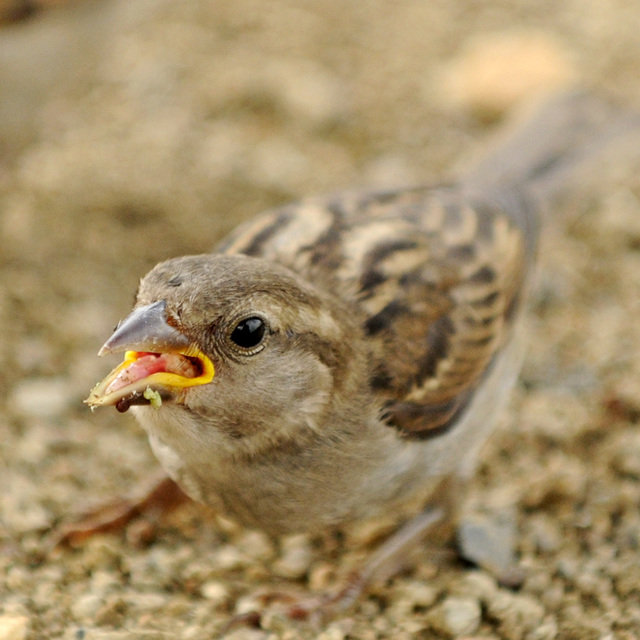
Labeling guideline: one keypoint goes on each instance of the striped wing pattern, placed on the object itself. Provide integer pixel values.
(433, 274)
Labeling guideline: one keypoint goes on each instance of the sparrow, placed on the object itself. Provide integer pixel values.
(338, 359)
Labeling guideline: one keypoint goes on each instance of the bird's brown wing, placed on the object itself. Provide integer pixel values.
(434, 275)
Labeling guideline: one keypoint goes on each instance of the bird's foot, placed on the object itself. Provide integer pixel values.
(319, 609)
(314, 609)
(158, 499)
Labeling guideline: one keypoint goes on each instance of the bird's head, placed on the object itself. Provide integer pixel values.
(243, 346)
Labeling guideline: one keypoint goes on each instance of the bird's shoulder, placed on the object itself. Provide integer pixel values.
(434, 276)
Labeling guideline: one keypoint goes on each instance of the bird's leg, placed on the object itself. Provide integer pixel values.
(437, 520)
(385, 562)
(159, 497)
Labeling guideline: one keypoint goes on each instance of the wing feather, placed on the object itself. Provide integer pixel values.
(434, 275)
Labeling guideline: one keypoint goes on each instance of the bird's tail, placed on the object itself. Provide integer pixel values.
(560, 146)
(564, 148)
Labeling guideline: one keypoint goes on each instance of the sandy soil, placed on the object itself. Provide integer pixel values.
(131, 132)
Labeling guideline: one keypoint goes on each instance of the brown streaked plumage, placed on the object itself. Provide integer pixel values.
(339, 358)
(431, 274)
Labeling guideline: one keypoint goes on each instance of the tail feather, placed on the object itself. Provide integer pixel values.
(570, 134)
(564, 148)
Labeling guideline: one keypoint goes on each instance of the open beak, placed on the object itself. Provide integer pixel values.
(158, 360)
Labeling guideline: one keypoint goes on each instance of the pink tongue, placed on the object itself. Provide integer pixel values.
(137, 370)
(151, 363)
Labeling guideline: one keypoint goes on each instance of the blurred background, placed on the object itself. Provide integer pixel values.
(131, 132)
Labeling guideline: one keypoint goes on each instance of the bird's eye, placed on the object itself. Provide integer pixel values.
(249, 333)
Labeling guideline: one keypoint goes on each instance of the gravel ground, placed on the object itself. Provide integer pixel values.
(131, 132)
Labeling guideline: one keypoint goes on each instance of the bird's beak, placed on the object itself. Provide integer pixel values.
(158, 358)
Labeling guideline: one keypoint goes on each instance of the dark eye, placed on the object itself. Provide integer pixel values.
(249, 333)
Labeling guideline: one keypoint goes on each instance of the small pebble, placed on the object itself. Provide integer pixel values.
(333, 633)
(557, 415)
(18, 578)
(149, 601)
(478, 585)
(338, 630)
(545, 533)
(13, 627)
(247, 603)
(420, 594)
(229, 557)
(295, 560)
(626, 456)
(516, 614)
(112, 612)
(256, 545)
(87, 606)
(43, 593)
(411, 596)
(192, 632)
(547, 630)
(456, 616)
(103, 582)
(488, 540)
(214, 591)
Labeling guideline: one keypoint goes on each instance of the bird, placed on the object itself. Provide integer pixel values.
(338, 359)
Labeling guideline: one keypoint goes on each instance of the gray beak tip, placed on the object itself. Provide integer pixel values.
(145, 329)
(104, 350)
